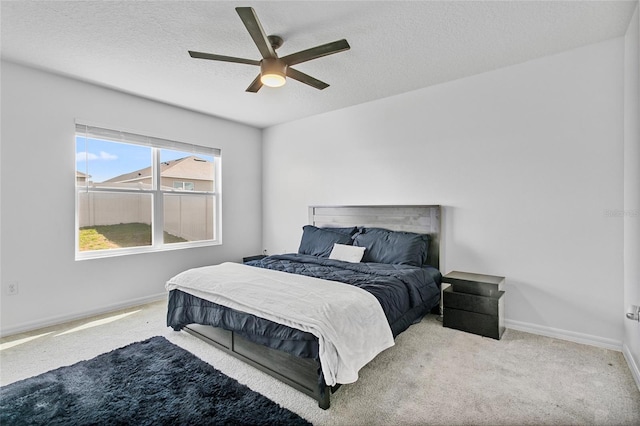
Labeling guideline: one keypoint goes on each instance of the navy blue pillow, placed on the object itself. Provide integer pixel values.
(393, 247)
(351, 231)
(319, 242)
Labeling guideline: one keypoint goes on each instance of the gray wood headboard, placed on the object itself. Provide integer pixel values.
(420, 219)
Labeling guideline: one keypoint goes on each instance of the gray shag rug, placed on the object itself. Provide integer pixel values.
(150, 382)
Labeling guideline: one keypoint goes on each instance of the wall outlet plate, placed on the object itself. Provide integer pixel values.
(11, 289)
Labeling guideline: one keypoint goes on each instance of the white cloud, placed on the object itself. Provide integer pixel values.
(107, 156)
(89, 156)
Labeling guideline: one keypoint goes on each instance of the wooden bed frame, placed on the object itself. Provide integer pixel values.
(304, 374)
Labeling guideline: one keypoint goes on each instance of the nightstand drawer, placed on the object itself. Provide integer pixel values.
(473, 322)
(471, 302)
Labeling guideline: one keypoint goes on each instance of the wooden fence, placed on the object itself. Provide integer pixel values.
(188, 216)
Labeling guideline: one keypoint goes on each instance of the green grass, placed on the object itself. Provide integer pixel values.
(118, 236)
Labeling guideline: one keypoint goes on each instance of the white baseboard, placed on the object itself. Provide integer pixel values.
(571, 336)
(633, 365)
(59, 319)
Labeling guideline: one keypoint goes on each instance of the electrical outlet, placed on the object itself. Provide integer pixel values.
(12, 288)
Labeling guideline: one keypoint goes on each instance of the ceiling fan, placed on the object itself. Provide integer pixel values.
(273, 69)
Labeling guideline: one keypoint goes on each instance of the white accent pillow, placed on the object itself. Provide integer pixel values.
(346, 253)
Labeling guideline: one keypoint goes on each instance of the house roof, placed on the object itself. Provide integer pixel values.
(191, 167)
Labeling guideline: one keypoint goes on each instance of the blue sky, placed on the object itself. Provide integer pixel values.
(104, 159)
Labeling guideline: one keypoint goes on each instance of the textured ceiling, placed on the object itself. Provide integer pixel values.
(141, 47)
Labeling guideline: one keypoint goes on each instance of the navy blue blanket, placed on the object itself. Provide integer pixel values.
(405, 292)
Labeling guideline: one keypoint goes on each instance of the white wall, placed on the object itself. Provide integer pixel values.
(525, 161)
(38, 170)
(632, 191)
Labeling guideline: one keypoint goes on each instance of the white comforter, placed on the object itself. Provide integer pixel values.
(349, 322)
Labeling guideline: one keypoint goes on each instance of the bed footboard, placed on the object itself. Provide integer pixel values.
(303, 374)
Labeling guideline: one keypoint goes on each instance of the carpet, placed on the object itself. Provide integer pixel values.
(150, 382)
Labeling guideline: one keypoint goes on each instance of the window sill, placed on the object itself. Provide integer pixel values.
(100, 254)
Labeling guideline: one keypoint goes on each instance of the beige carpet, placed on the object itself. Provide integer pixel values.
(433, 375)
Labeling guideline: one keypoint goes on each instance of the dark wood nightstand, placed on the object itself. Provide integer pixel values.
(474, 303)
(250, 258)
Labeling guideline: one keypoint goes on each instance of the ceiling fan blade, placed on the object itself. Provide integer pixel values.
(213, 57)
(316, 52)
(250, 20)
(306, 79)
(255, 85)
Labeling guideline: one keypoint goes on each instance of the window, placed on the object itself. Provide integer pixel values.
(187, 186)
(137, 194)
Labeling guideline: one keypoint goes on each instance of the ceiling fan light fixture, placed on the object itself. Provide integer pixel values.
(273, 80)
(273, 72)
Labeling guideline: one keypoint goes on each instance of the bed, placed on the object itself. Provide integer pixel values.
(399, 248)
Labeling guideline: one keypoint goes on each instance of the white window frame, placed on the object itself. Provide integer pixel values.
(157, 193)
